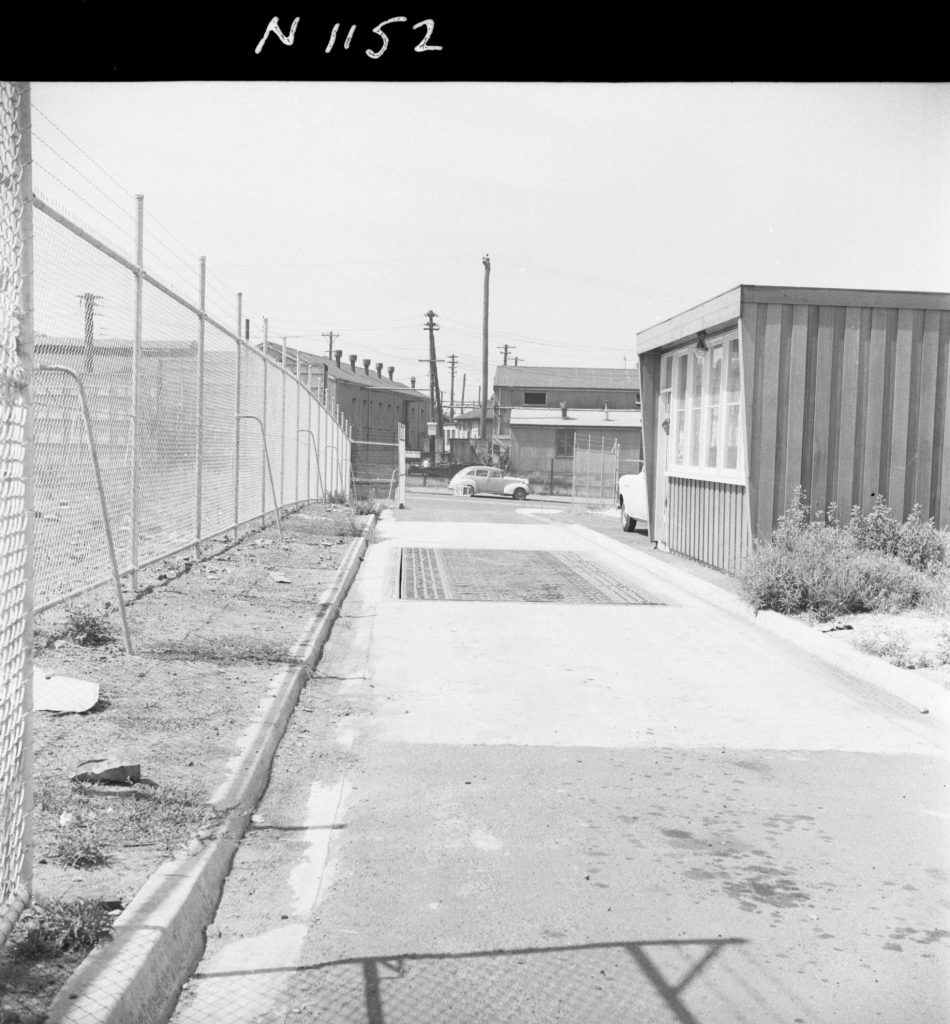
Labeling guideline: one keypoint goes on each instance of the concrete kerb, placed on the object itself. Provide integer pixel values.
(920, 692)
(158, 940)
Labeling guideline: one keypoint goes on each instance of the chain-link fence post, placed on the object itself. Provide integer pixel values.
(199, 405)
(297, 436)
(237, 418)
(16, 500)
(310, 418)
(283, 415)
(134, 490)
(264, 421)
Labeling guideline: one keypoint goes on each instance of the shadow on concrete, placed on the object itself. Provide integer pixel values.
(594, 983)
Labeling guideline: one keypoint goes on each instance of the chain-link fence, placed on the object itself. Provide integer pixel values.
(148, 428)
(595, 468)
(15, 499)
(195, 432)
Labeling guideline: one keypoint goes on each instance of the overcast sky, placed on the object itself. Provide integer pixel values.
(605, 208)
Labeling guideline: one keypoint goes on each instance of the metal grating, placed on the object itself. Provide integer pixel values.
(477, 574)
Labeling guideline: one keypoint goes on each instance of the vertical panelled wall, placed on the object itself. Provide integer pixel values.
(707, 521)
(848, 401)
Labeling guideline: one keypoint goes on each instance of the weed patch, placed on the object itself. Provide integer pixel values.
(874, 564)
(50, 927)
(87, 824)
(88, 627)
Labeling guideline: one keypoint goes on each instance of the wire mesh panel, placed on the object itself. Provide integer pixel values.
(217, 443)
(251, 468)
(84, 323)
(15, 535)
(596, 461)
(167, 412)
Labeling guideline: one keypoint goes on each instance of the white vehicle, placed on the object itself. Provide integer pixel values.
(485, 480)
(632, 500)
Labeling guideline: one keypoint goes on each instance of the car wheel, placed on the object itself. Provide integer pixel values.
(468, 491)
(626, 523)
(519, 494)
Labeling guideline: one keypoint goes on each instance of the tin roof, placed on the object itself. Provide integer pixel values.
(567, 377)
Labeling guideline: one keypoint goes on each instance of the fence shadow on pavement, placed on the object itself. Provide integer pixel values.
(593, 983)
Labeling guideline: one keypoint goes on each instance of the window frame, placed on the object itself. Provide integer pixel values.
(560, 434)
(683, 410)
(543, 395)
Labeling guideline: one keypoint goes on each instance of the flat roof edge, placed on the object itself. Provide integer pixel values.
(724, 309)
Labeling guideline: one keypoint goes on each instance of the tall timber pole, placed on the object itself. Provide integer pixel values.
(483, 430)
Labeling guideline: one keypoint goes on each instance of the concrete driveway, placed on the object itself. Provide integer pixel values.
(539, 786)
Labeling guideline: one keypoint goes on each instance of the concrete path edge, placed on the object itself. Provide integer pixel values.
(159, 939)
(922, 693)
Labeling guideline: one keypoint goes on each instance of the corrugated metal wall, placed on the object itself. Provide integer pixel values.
(848, 402)
(707, 521)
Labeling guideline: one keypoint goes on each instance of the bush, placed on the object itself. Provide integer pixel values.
(916, 542)
(87, 627)
(819, 568)
(920, 544)
(876, 531)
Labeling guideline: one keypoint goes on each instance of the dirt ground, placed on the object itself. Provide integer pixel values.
(208, 638)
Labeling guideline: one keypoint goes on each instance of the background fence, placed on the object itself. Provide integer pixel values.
(595, 468)
(196, 432)
(135, 426)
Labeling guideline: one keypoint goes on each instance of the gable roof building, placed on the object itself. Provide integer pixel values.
(579, 387)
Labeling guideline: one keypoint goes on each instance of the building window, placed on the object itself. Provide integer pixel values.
(535, 398)
(564, 443)
(703, 392)
(636, 399)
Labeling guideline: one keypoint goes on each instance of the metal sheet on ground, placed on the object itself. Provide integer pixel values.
(465, 574)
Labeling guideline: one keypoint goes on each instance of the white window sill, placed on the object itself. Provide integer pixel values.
(711, 476)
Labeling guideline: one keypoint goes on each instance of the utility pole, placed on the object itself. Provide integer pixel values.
(434, 395)
(89, 312)
(331, 336)
(453, 360)
(486, 263)
(462, 399)
(505, 349)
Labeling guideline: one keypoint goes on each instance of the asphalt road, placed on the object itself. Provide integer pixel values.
(597, 800)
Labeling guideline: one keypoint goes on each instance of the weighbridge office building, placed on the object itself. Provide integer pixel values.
(764, 389)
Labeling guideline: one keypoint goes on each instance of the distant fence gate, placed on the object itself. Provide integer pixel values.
(378, 470)
(595, 468)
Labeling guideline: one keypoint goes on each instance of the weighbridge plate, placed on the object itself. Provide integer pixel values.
(466, 574)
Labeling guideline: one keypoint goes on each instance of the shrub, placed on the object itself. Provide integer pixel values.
(920, 544)
(916, 542)
(87, 627)
(819, 568)
(943, 646)
(878, 530)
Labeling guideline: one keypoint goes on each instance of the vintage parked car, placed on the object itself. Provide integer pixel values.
(632, 500)
(487, 480)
